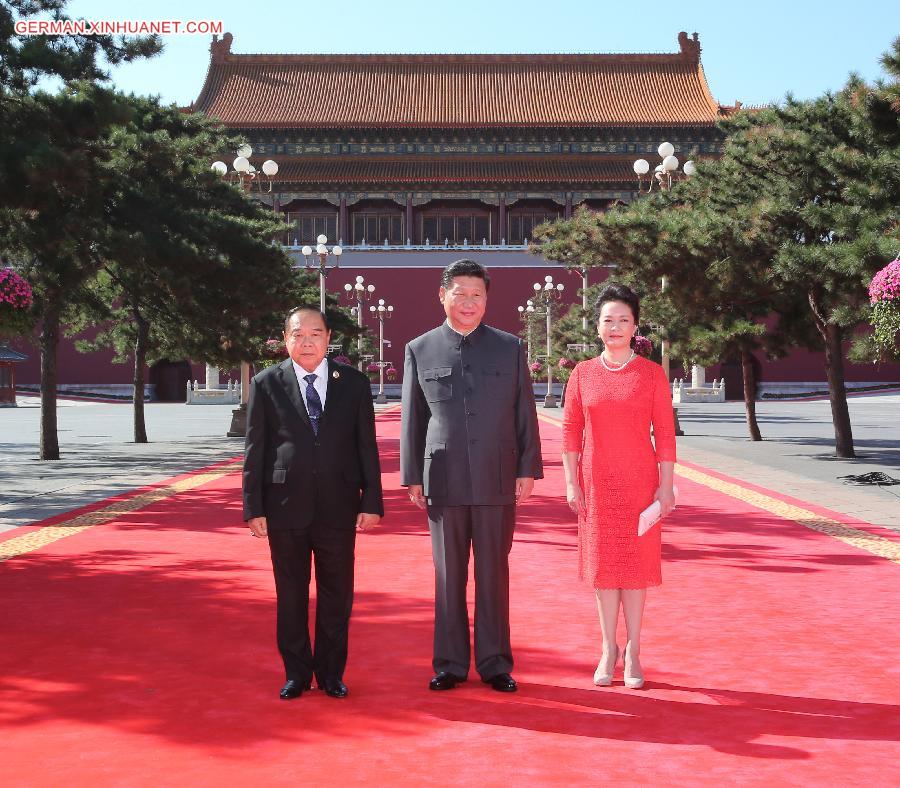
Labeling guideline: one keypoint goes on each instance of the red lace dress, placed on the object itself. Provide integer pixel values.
(607, 419)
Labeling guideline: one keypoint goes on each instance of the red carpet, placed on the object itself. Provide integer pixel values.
(142, 652)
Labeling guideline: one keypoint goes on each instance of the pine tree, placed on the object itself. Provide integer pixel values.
(52, 154)
(828, 186)
(188, 268)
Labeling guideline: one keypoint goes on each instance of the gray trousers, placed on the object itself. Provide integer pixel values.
(489, 531)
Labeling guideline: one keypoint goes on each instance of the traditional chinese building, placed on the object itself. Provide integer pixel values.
(413, 161)
(435, 149)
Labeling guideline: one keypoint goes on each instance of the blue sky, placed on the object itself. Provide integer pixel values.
(753, 52)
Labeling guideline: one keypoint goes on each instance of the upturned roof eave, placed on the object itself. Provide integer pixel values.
(275, 124)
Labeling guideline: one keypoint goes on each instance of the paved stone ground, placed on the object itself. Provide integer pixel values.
(98, 459)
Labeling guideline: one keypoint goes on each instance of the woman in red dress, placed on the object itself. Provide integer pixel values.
(614, 471)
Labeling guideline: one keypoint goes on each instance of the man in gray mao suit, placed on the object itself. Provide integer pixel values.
(469, 452)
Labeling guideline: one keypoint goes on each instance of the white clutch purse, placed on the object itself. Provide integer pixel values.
(651, 515)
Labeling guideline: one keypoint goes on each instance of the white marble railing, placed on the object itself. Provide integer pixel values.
(426, 247)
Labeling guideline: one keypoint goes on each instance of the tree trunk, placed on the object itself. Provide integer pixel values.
(140, 360)
(832, 335)
(49, 344)
(750, 394)
(837, 392)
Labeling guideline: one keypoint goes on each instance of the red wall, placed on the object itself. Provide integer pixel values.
(414, 294)
(82, 368)
(72, 366)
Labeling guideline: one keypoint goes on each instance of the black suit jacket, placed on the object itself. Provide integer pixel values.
(291, 474)
(469, 425)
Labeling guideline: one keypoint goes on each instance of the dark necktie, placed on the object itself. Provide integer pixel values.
(313, 403)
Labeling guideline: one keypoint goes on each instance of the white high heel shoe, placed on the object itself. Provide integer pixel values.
(605, 679)
(632, 682)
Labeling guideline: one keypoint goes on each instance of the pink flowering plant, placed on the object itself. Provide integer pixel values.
(567, 363)
(342, 359)
(16, 300)
(642, 346)
(271, 352)
(884, 295)
(275, 348)
(537, 370)
(390, 374)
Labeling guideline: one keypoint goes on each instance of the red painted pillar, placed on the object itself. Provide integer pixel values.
(343, 232)
(410, 220)
(568, 213)
(501, 229)
(276, 210)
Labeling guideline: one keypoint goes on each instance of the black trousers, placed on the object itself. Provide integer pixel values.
(489, 531)
(332, 549)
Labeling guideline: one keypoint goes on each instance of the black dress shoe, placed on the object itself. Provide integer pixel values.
(335, 688)
(294, 689)
(445, 681)
(502, 682)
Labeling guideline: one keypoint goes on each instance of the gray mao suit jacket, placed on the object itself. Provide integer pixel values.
(469, 424)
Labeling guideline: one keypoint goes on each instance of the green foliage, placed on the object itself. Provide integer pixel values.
(56, 186)
(179, 253)
(829, 188)
(15, 322)
(303, 289)
(25, 60)
(16, 302)
(886, 319)
(770, 247)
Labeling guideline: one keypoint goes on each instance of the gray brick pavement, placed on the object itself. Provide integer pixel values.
(796, 455)
(98, 459)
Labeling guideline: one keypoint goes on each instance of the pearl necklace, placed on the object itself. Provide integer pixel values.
(617, 368)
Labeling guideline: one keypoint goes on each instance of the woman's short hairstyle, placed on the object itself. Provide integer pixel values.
(617, 292)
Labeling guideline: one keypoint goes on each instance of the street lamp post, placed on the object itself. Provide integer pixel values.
(322, 252)
(525, 312)
(663, 343)
(359, 293)
(665, 175)
(382, 312)
(247, 175)
(584, 299)
(548, 292)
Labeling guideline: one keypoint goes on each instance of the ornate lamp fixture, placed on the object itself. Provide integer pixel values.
(525, 313)
(664, 173)
(382, 312)
(548, 294)
(244, 169)
(359, 292)
(246, 174)
(322, 252)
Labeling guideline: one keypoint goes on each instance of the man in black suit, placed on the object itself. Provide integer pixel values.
(469, 452)
(311, 477)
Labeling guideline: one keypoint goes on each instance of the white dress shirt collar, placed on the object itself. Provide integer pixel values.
(320, 384)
